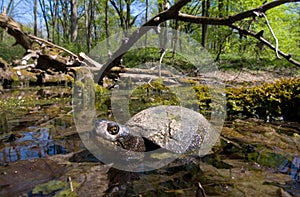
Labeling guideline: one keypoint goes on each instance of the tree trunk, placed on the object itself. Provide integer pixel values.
(163, 37)
(107, 28)
(120, 11)
(146, 18)
(128, 15)
(65, 21)
(95, 24)
(48, 54)
(74, 24)
(35, 17)
(91, 21)
(87, 25)
(3, 10)
(54, 22)
(43, 8)
(10, 8)
(205, 9)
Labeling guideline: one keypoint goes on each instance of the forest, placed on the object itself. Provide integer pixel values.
(85, 83)
(230, 31)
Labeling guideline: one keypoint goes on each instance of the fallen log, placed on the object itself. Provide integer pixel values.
(13, 28)
(45, 54)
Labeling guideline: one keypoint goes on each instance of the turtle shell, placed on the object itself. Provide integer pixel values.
(174, 128)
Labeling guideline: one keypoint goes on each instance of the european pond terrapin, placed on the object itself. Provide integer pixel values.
(174, 128)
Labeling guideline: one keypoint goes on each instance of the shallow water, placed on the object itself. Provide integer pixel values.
(34, 127)
(40, 149)
(38, 143)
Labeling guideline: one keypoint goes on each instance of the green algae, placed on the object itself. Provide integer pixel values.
(56, 188)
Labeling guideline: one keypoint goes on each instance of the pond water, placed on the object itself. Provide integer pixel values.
(32, 144)
(40, 150)
(33, 126)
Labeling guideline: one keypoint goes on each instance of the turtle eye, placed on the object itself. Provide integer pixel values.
(113, 129)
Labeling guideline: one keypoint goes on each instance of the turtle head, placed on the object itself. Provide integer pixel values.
(110, 130)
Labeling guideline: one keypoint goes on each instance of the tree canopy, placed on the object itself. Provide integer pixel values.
(253, 30)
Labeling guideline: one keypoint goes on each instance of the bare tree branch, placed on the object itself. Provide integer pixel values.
(273, 34)
(174, 13)
(228, 20)
(288, 57)
(136, 35)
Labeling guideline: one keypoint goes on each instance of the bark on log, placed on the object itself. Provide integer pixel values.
(48, 55)
(89, 61)
(13, 28)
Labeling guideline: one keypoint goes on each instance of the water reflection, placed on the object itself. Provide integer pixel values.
(292, 168)
(33, 144)
(34, 123)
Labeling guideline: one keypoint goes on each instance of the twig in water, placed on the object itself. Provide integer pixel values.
(200, 191)
(70, 184)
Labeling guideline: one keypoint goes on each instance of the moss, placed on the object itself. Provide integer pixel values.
(14, 77)
(153, 94)
(102, 101)
(100, 90)
(266, 157)
(47, 188)
(56, 188)
(21, 102)
(267, 101)
(68, 79)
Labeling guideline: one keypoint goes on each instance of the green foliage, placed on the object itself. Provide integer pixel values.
(137, 57)
(282, 20)
(268, 101)
(9, 52)
(220, 39)
(236, 62)
(74, 47)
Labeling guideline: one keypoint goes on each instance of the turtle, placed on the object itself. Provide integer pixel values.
(173, 128)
